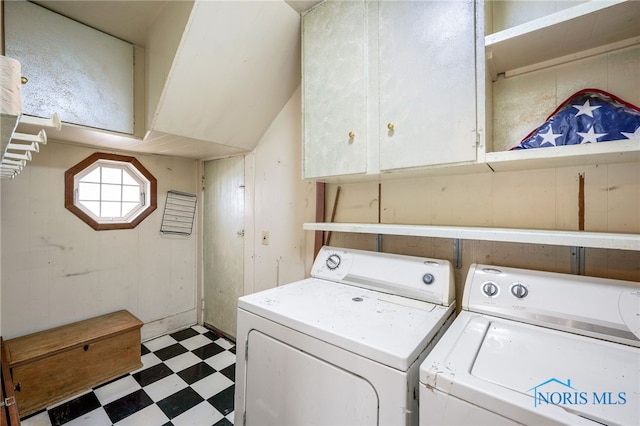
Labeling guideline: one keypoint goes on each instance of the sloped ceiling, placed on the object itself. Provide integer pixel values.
(236, 66)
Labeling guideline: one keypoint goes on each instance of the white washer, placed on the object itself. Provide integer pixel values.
(535, 347)
(345, 346)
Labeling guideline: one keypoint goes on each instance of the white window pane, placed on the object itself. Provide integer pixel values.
(88, 191)
(111, 175)
(128, 207)
(128, 179)
(92, 206)
(131, 193)
(110, 209)
(111, 192)
(93, 176)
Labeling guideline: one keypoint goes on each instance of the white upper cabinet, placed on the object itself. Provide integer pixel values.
(452, 86)
(538, 54)
(334, 89)
(427, 83)
(84, 75)
(388, 86)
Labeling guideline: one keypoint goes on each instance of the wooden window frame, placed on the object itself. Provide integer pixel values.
(69, 191)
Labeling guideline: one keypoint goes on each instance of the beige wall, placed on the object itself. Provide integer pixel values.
(56, 269)
(536, 199)
(1, 53)
(279, 202)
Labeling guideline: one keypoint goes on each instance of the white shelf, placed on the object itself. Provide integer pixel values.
(530, 236)
(586, 26)
(622, 151)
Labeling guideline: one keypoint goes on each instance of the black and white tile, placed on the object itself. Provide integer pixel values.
(187, 378)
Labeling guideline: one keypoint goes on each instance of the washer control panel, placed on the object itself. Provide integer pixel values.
(492, 289)
(599, 307)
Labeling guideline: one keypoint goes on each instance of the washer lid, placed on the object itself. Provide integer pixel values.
(388, 329)
(536, 375)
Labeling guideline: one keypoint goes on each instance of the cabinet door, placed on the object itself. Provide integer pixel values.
(334, 89)
(84, 75)
(427, 83)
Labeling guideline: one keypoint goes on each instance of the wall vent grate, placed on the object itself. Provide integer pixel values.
(179, 213)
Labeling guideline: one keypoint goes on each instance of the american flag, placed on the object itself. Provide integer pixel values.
(588, 116)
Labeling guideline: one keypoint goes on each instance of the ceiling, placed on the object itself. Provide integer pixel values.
(128, 20)
(132, 20)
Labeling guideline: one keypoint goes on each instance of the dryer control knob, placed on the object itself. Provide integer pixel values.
(333, 261)
(490, 288)
(428, 278)
(519, 290)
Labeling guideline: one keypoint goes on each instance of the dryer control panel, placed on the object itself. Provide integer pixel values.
(426, 279)
(597, 307)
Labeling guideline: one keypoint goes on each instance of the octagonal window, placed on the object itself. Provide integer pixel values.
(109, 191)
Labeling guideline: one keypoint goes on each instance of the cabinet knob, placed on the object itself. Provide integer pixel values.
(24, 80)
(352, 135)
(390, 126)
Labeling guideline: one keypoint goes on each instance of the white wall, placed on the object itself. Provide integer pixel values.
(56, 269)
(279, 202)
(163, 39)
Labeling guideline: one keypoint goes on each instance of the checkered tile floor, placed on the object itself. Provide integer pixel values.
(186, 379)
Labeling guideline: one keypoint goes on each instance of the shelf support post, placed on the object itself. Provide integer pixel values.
(378, 242)
(577, 260)
(457, 253)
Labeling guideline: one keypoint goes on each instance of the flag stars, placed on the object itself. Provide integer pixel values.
(590, 136)
(586, 109)
(549, 137)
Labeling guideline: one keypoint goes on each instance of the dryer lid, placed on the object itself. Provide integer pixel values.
(385, 328)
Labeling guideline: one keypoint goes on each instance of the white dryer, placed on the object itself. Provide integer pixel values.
(345, 346)
(535, 348)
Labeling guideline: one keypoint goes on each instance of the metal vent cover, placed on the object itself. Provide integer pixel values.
(179, 213)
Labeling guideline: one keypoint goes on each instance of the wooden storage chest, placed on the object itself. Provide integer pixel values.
(52, 365)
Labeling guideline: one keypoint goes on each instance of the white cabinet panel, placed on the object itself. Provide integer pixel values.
(427, 83)
(84, 75)
(388, 85)
(334, 89)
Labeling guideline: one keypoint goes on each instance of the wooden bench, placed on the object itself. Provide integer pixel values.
(55, 364)
(10, 416)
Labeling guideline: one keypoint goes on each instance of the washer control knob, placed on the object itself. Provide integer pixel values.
(490, 289)
(519, 290)
(333, 261)
(428, 278)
